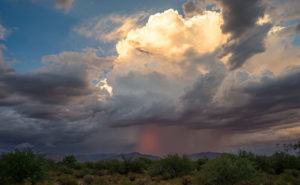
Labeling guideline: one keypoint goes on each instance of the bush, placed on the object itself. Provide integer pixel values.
(228, 169)
(186, 180)
(290, 177)
(173, 165)
(282, 161)
(88, 179)
(82, 173)
(64, 169)
(22, 164)
(112, 166)
(70, 161)
(200, 162)
(136, 166)
(67, 180)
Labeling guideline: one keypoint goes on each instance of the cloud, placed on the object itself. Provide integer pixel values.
(246, 46)
(201, 33)
(164, 81)
(64, 4)
(298, 28)
(110, 28)
(3, 32)
(283, 11)
(279, 47)
(56, 102)
(190, 8)
(239, 16)
(244, 21)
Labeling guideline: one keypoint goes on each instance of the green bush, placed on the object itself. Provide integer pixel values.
(64, 169)
(282, 161)
(112, 166)
(20, 165)
(200, 162)
(228, 169)
(289, 177)
(70, 161)
(88, 179)
(136, 166)
(173, 165)
(67, 180)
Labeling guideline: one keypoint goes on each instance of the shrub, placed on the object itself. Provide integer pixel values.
(291, 177)
(282, 161)
(88, 179)
(64, 169)
(67, 180)
(69, 161)
(200, 162)
(263, 163)
(173, 165)
(112, 166)
(22, 164)
(135, 166)
(228, 169)
(82, 173)
(186, 180)
(90, 165)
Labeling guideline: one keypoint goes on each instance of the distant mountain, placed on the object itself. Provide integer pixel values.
(55, 156)
(133, 155)
(209, 155)
(97, 157)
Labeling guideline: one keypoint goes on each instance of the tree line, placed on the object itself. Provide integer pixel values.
(245, 168)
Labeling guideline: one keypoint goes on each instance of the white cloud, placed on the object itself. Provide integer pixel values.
(64, 4)
(201, 33)
(110, 28)
(3, 32)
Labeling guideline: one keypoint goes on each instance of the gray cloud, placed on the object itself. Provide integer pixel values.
(52, 106)
(190, 8)
(251, 105)
(58, 107)
(239, 16)
(47, 87)
(283, 11)
(298, 28)
(247, 38)
(3, 32)
(65, 4)
(247, 45)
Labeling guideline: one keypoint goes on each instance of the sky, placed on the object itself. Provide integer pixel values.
(156, 77)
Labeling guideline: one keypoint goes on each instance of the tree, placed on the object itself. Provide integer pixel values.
(70, 161)
(20, 165)
(173, 165)
(228, 169)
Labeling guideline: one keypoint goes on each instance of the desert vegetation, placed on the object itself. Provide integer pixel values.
(26, 167)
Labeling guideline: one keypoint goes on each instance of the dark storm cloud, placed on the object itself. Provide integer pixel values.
(39, 136)
(298, 28)
(58, 105)
(239, 16)
(49, 107)
(262, 103)
(247, 45)
(270, 102)
(190, 8)
(47, 87)
(247, 38)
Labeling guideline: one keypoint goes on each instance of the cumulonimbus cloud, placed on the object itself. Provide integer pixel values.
(167, 72)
